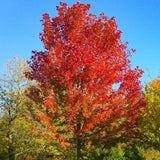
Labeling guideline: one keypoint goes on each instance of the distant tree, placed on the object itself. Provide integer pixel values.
(84, 58)
(16, 141)
(12, 101)
(150, 121)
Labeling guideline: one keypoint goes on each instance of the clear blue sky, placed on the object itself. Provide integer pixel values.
(139, 20)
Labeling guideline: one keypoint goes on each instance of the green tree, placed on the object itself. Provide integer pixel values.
(15, 129)
(150, 121)
(12, 101)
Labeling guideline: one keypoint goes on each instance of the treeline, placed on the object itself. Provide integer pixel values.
(19, 131)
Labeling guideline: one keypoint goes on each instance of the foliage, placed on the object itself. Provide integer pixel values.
(16, 140)
(12, 102)
(84, 58)
(122, 151)
(150, 121)
(152, 154)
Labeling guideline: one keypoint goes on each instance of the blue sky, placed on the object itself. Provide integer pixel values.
(139, 20)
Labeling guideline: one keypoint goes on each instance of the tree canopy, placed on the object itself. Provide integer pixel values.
(83, 59)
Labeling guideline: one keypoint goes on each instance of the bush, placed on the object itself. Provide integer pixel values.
(122, 151)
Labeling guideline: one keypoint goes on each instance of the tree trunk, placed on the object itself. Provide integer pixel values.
(78, 149)
(78, 143)
(11, 153)
(10, 138)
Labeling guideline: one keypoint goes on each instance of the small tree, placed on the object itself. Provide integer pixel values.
(84, 57)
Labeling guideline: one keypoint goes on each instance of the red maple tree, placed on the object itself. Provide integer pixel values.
(84, 58)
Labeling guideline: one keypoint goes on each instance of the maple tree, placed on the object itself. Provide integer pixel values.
(83, 59)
